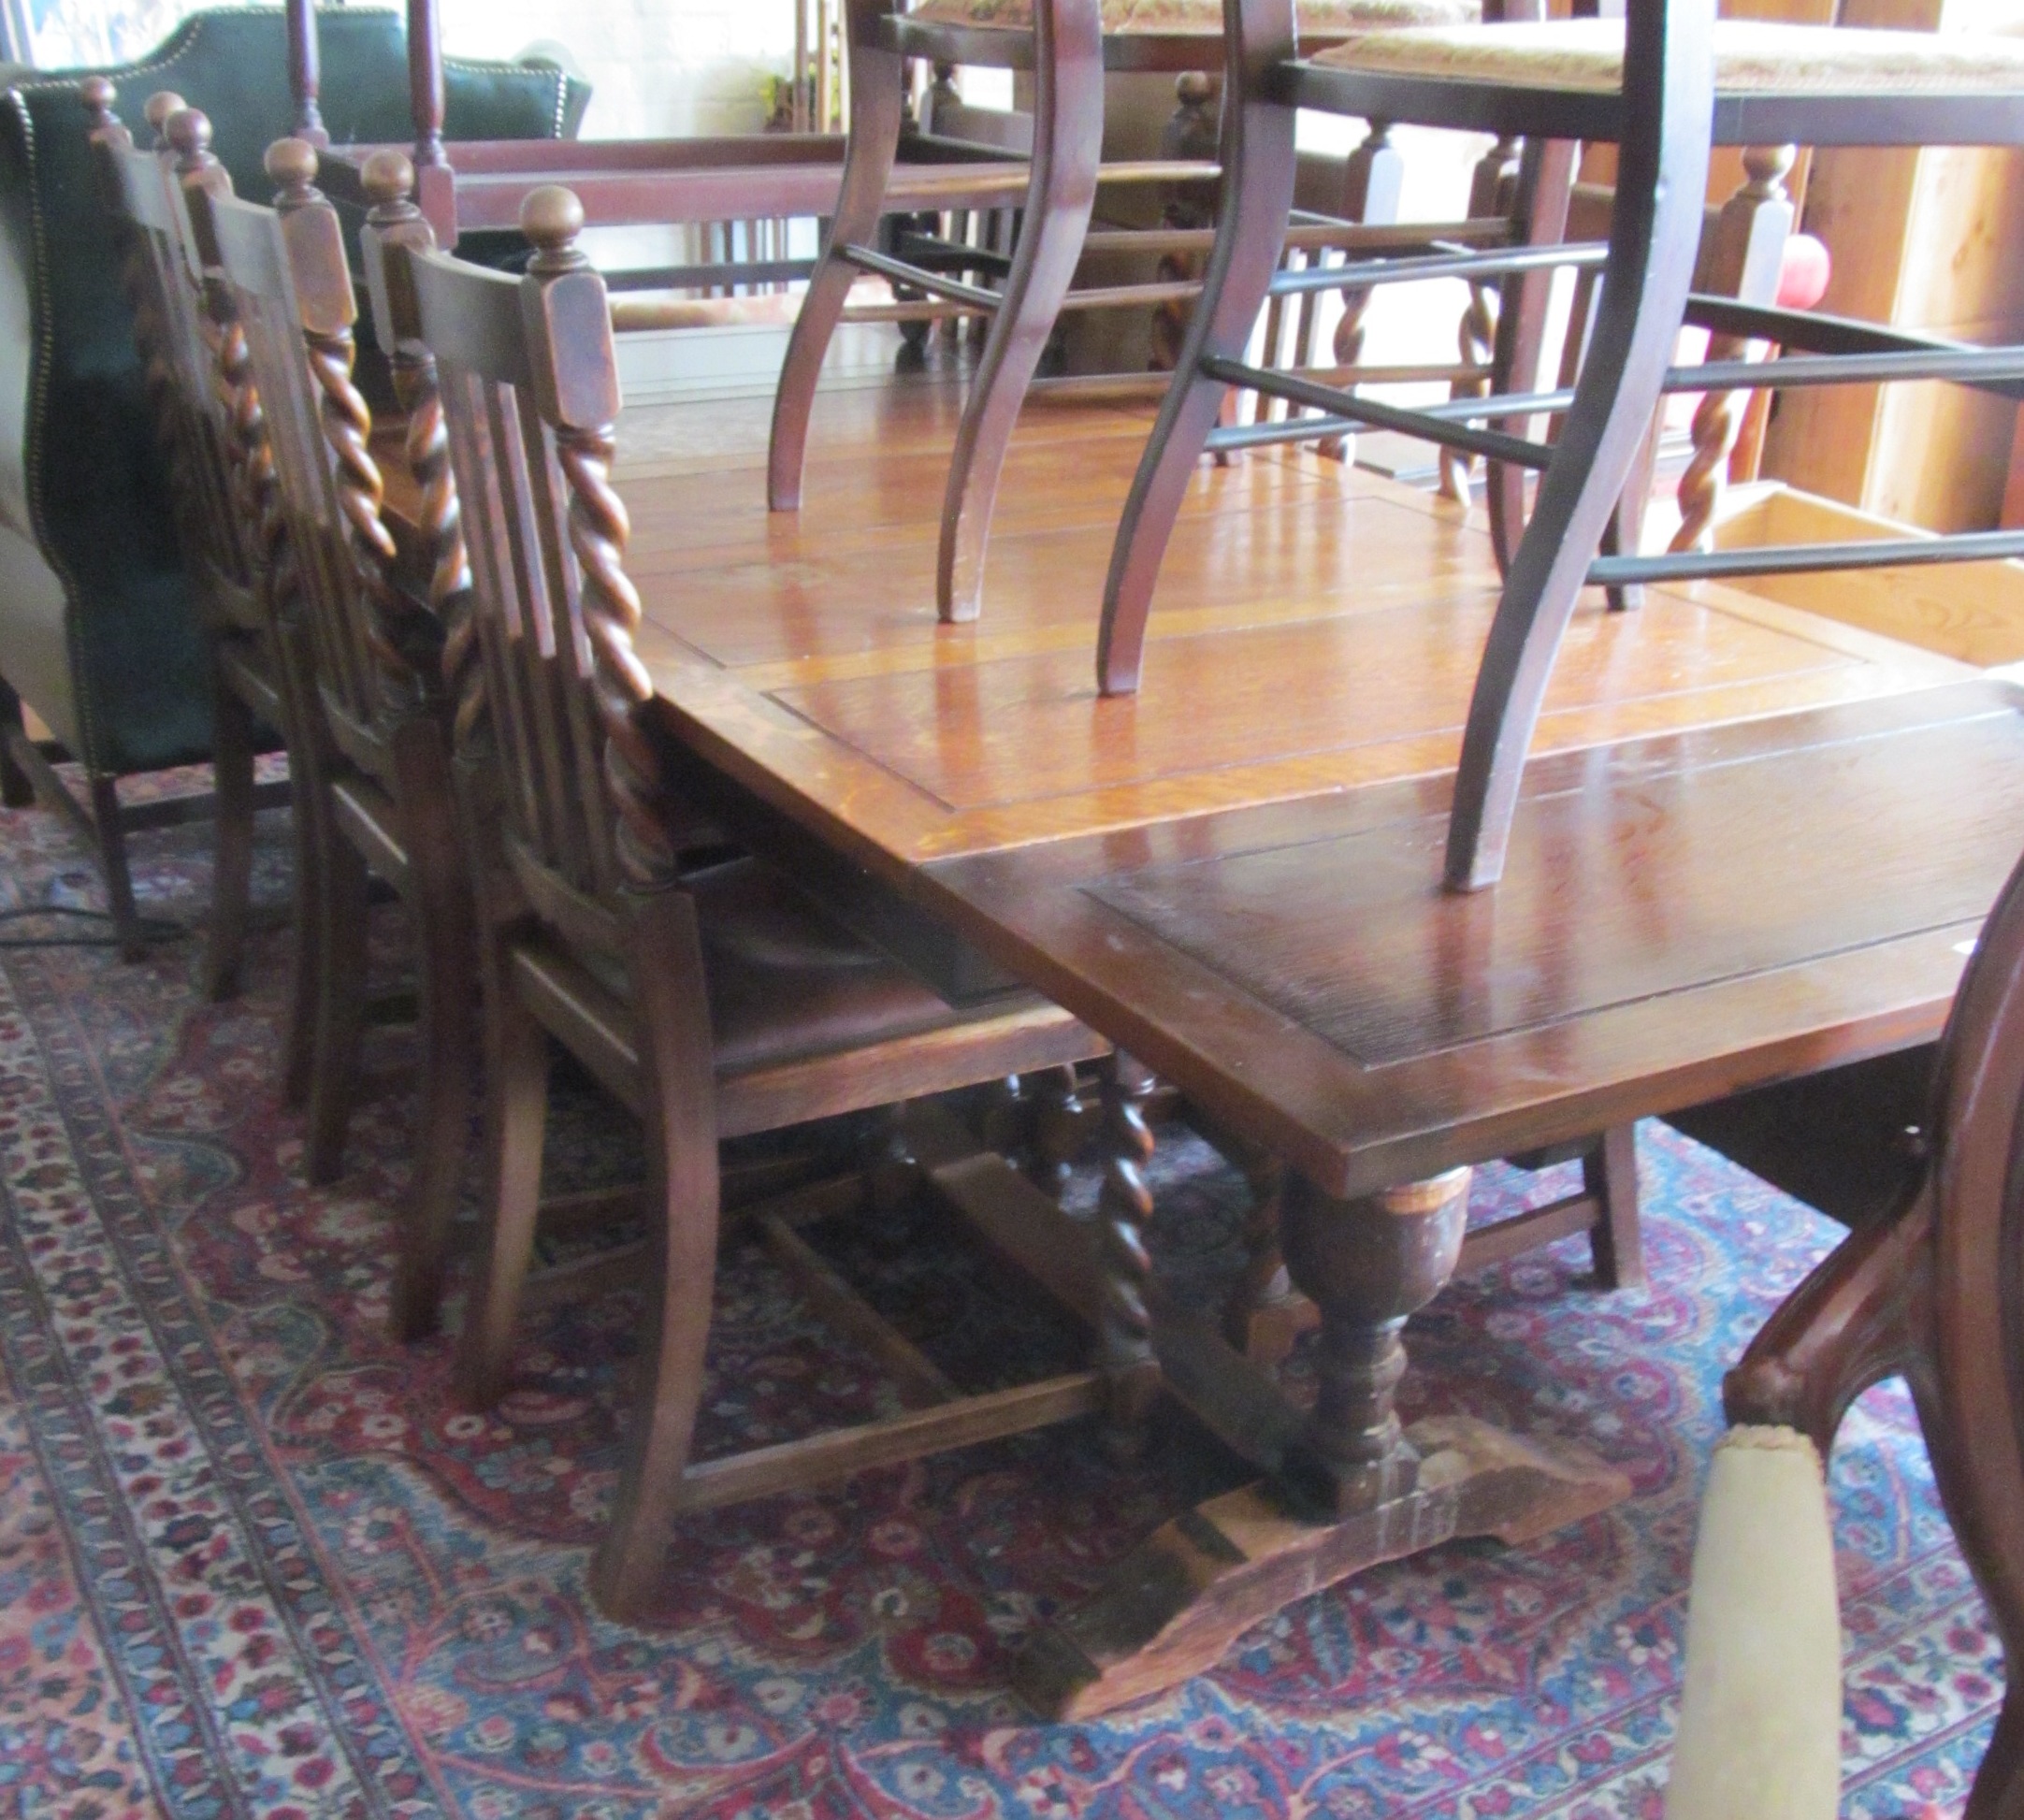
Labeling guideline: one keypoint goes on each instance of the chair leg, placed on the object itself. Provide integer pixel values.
(1626, 532)
(341, 922)
(305, 810)
(876, 94)
(232, 800)
(667, 983)
(515, 1124)
(1653, 235)
(1539, 203)
(17, 789)
(440, 902)
(1068, 139)
(1998, 1783)
(1257, 197)
(1609, 1172)
(299, 1036)
(110, 827)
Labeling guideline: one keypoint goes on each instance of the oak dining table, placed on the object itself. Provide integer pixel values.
(1753, 844)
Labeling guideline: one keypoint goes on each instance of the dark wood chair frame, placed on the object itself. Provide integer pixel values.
(377, 749)
(1663, 123)
(578, 857)
(1935, 1291)
(1068, 55)
(185, 333)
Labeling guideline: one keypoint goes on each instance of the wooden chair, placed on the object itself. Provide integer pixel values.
(711, 1002)
(1931, 1292)
(1662, 86)
(377, 749)
(1069, 45)
(186, 329)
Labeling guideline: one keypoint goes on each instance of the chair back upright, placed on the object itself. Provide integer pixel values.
(550, 690)
(185, 336)
(374, 650)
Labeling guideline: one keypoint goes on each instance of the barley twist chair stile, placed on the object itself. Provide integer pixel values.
(1069, 45)
(378, 748)
(712, 1001)
(1662, 85)
(186, 332)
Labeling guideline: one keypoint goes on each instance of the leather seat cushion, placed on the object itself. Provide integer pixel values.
(788, 982)
(1318, 19)
(1751, 57)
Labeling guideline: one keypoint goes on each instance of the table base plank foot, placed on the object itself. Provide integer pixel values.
(1173, 1607)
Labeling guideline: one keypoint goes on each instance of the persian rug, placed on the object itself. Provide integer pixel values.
(255, 1561)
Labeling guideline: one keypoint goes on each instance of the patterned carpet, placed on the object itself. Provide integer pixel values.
(253, 1561)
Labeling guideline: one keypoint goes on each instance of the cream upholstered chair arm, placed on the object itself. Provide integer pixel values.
(1760, 1714)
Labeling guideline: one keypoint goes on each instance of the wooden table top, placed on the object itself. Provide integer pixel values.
(1317, 627)
(1683, 915)
(1753, 843)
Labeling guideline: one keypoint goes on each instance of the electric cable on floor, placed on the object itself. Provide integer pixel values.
(152, 928)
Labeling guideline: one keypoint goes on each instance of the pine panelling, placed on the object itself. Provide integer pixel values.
(1922, 240)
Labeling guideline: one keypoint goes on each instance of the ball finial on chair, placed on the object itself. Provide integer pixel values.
(98, 95)
(388, 177)
(188, 131)
(159, 108)
(291, 167)
(551, 218)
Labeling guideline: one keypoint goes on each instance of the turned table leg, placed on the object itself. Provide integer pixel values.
(1367, 1267)
(1351, 1490)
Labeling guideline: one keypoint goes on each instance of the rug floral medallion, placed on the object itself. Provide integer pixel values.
(255, 1560)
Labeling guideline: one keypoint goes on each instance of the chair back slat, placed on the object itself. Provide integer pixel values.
(494, 709)
(529, 389)
(286, 273)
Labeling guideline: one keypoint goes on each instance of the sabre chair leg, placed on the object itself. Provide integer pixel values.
(515, 1124)
(681, 1141)
(876, 94)
(232, 800)
(1257, 198)
(341, 922)
(1653, 235)
(1068, 138)
(442, 904)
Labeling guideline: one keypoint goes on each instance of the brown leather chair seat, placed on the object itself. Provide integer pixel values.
(787, 982)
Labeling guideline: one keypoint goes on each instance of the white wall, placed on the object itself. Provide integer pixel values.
(660, 68)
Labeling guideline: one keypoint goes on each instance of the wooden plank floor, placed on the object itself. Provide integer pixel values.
(1316, 627)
